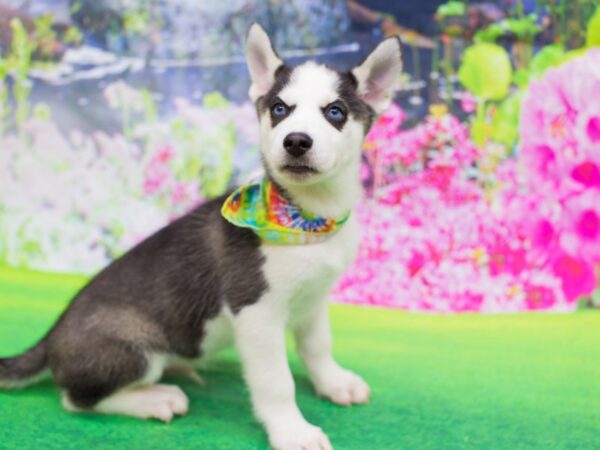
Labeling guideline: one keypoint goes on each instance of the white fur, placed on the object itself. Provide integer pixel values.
(334, 154)
(262, 61)
(149, 401)
(299, 279)
(379, 76)
(144, 399)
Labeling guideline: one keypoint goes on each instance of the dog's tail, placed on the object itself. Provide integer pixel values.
(25, 369)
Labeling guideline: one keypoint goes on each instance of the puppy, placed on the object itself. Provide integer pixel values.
(240, 269)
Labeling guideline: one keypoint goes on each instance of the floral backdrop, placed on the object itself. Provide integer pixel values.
(489, 201)
(439, 236)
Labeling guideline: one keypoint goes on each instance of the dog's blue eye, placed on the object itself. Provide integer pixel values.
(279, 109)
(335, 113)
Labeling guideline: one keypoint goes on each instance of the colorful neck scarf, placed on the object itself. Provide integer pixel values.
(261, 207)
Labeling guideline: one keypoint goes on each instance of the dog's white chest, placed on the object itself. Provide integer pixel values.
(291, 271)
(297, 278)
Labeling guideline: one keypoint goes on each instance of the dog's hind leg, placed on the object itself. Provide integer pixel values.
(119, 379)
(154, 401)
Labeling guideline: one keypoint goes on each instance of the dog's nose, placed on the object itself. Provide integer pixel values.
(297, 144)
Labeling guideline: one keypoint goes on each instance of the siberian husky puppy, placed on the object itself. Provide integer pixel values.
(203, 282)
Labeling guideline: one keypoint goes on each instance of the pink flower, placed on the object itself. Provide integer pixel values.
(154, 180)
(164, 154)
(158, 170)
(436, 240)
(543, 233)
(539, 297)
(587, 173)
(576, 275)
(468, 103)
(592, 129)
(540, 162)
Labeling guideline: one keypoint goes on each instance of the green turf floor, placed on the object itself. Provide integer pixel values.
(438, 382)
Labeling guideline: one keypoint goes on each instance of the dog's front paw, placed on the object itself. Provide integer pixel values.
(302, 436)
(343, 387)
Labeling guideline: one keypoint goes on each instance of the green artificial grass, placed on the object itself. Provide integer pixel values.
(439, 382)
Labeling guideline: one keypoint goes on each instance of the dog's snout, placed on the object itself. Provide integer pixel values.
(297, 144)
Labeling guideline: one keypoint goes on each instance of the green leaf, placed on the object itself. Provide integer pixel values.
(572, 54)
(214, 100)
(593, 30)
(479, 132)
(486, 71)
(491, 33)
(521, 78)
(505, 121)
(42, 111)
(451, 8)
(523, 28)
(550, 56)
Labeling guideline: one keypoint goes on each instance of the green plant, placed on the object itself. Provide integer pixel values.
(72, 36)
(213, 167)
(568, 19)
(593, 30)
(487, 73)
(523, 28)
(451, 8)
(490, 34)
(547, 57)
(4, 100)
(136, 21)
(43, 25)
(504, 121)
(20, 64)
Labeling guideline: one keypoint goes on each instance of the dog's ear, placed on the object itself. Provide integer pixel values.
(379, 75)
(262, 61)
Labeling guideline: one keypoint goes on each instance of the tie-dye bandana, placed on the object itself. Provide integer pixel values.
(273, 218)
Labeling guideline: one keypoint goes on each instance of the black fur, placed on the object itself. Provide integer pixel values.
(24, 366)
(155, 298)
(360, 110)
(282, 78)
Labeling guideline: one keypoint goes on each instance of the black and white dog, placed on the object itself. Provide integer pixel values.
(201, 283)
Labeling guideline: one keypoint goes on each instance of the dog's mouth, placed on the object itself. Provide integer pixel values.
(299, 169)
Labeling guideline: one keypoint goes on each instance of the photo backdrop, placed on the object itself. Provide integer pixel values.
(482, 181)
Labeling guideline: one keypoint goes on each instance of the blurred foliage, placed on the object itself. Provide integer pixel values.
(524, 29)
(5, 106)
(593, 30)
(136, 21)
(44, 30)
(42, 111)
(569, 18)
(504, 124)
(547, 57)
(486, 71)
(72, 36)
(20, 64)
(452, 8)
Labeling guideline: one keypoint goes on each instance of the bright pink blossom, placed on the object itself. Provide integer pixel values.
(435, 240)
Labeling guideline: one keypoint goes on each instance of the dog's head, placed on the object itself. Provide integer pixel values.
(313, 118)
